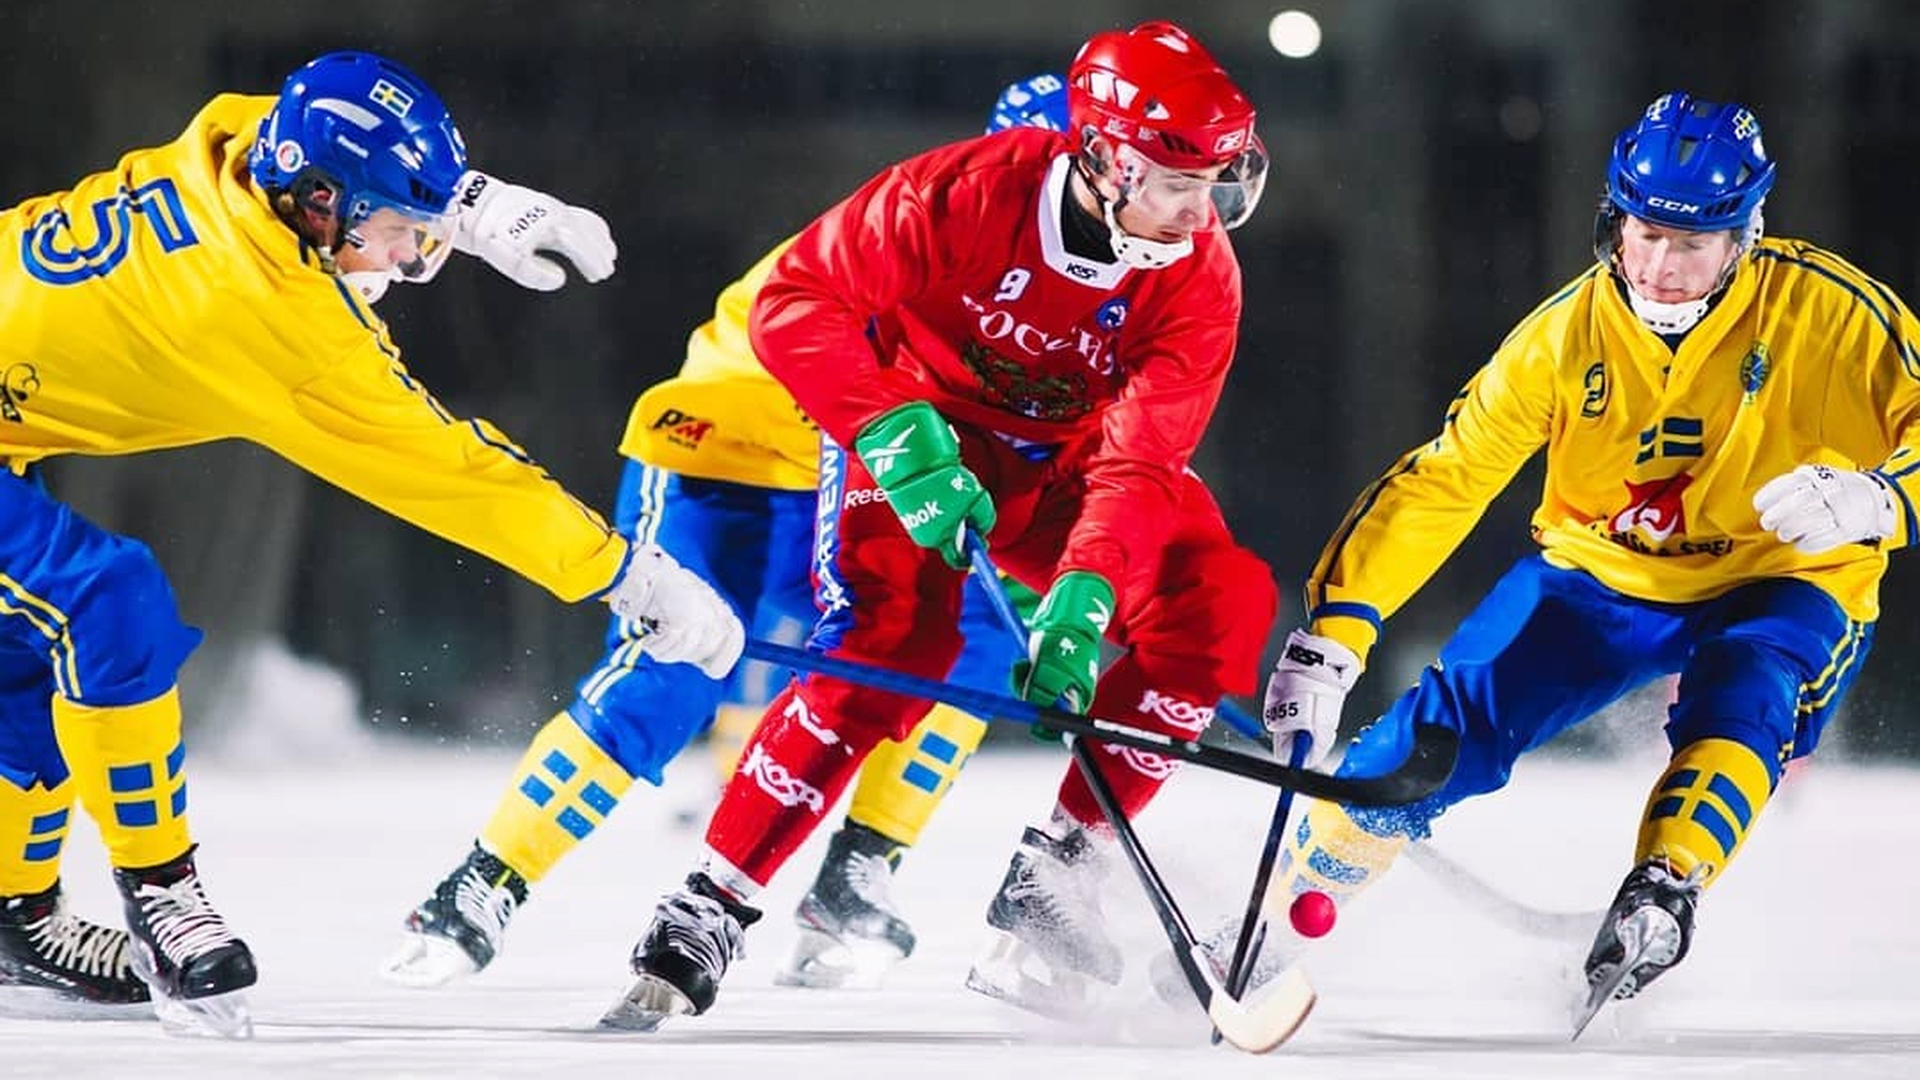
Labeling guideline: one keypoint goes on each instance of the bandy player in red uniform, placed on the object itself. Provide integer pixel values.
(1023, 334)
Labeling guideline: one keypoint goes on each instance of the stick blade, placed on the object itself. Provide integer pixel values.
(1261, 1025)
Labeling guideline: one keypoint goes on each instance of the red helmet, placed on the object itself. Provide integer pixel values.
(1157, 89)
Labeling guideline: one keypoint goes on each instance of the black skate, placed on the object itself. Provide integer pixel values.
(56, 965)
(850, 934)
(456, 932)
(1645, 932)
(182, 948)
(696, 933)
(1050, 949)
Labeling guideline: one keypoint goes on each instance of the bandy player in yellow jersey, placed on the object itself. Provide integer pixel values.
(722, 472)
(198, 291)
(1731, 426)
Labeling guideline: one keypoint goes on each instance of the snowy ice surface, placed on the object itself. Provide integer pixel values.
(1802, 964)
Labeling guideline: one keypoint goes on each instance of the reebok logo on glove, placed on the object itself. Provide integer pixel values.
(915, 518)
(880, 460)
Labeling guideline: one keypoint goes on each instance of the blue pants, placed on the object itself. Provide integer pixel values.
(756, 546)
(1764, 665)
(85, 614)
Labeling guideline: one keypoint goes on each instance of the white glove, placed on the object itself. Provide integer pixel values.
(1306, 690)
(1818, 508)
(519, 231)
(683, 618)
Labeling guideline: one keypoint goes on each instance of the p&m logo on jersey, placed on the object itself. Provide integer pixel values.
(682, 429)
(1111, 315)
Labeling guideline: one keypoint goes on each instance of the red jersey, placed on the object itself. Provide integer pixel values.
(946, 279)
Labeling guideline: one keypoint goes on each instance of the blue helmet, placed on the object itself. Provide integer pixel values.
(1691, 164)
(1037, 102)
(353, 133)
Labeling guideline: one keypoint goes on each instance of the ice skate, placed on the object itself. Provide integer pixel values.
(456, 932)
(1279, 947)
(191, 962)
(1050, 952)
(1645, 932)
(850, 934)
(696, 933)
(55, 965)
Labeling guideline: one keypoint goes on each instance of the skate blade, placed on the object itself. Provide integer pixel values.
(822, 961)
(218, 1016)
(648, 1003)
(1015, 974)
(424, 961)
(18, 1002)
(1647, 935)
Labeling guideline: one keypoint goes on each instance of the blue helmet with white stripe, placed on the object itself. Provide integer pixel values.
(353, 133)
(1040, 101)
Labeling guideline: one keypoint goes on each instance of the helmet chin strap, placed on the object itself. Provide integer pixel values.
(1664, 318)
(1138, 251)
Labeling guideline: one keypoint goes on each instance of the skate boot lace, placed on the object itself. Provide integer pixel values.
(870, 878)
(66, 940)
(1061, 899)
(181, 919)
(489, 907)
(699, 928)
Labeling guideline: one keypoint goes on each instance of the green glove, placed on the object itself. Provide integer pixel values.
(1063, 643)
(913, 455)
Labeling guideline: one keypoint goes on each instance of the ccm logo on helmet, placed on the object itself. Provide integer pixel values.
(1659, 203)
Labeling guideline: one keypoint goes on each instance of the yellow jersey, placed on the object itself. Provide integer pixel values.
(1654, 453)
(724, 417)
(162, 303)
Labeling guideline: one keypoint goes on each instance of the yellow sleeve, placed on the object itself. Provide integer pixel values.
(1407, 523)
(1896, 385)
(373, 431)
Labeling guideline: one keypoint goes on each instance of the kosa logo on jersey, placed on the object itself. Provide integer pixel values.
(683, 430)
(777, 781)
(1654, 517)
(1176, 712)
(53, 251)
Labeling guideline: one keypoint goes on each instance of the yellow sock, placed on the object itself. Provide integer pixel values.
(562, 789)
(1701, 810)
(902, 783)
(1330, 853)
(727, 739)
(129, 768)
(33, 827)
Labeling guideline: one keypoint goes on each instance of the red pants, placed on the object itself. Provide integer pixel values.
(1193, 624)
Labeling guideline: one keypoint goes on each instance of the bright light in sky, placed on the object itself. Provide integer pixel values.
(1294, 34)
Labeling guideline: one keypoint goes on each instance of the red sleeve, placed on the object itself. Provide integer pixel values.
(1149, 435)
(809, 323)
